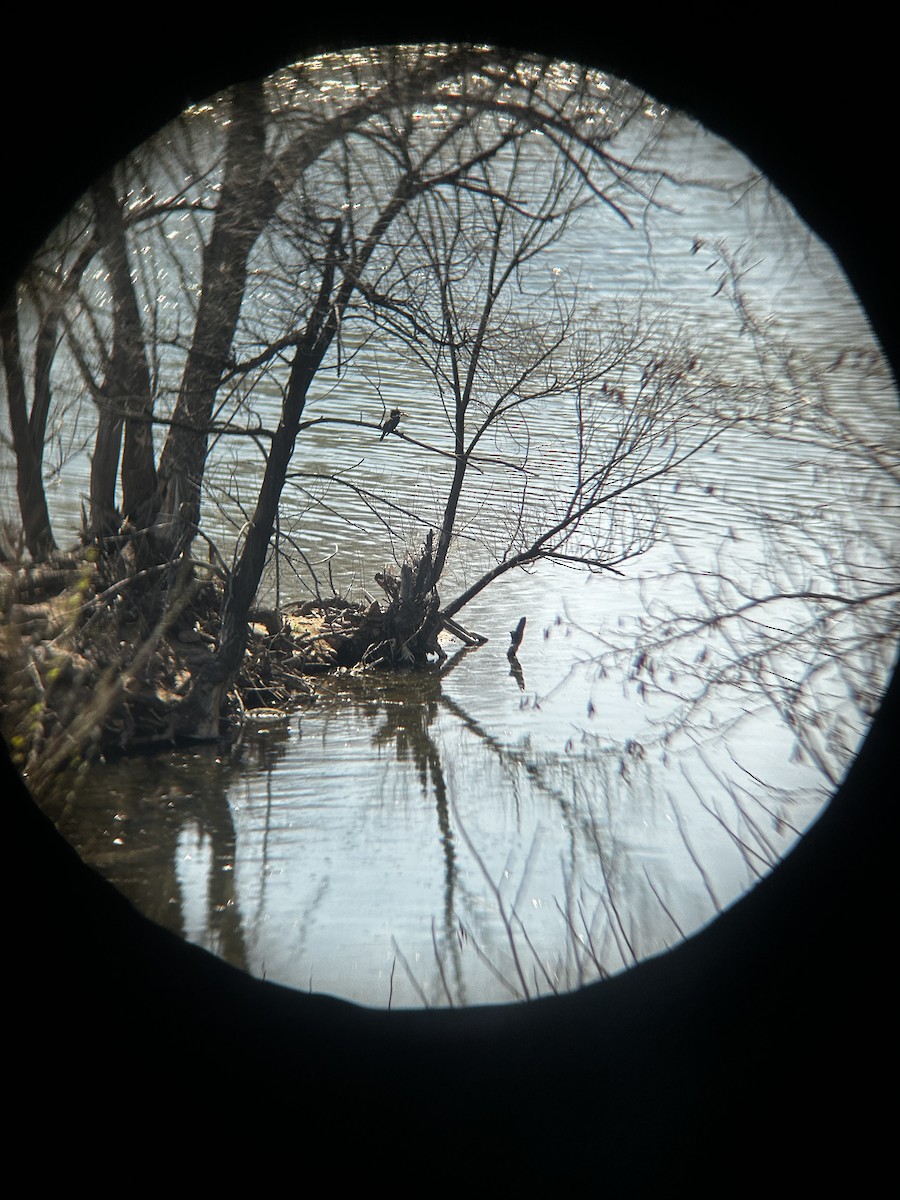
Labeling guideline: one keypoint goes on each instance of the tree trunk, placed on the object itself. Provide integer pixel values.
(247, 201)
(212, 684)
(105, 517)
(252, 189)
(127, 388)
(28, 438)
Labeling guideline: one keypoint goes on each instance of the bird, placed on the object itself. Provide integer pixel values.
(391, 423)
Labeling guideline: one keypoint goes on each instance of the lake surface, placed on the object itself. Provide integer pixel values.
(490, 830)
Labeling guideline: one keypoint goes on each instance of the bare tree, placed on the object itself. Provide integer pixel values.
(412, 202)
(126, 393)
(451, 281)
(28, 425)
(395, 230)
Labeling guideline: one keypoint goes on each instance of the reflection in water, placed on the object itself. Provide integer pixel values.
(142, 822)
(406, 842)
(406, 727)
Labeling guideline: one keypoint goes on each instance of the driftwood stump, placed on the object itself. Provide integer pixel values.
(411, 622)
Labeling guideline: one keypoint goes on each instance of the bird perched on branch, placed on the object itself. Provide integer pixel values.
(391, 423)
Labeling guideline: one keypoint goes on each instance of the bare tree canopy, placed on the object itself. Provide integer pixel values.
(214, 317)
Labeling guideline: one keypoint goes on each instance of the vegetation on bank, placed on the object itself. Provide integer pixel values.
(94, 660)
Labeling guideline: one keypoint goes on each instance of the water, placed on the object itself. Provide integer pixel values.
(444, 841)
(479, 834)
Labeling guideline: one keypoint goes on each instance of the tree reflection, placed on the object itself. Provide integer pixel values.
(133, 824)
(604, 911)
(552, 869)
(407, 727)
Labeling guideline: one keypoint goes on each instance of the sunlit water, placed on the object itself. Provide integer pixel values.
(484, 833)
